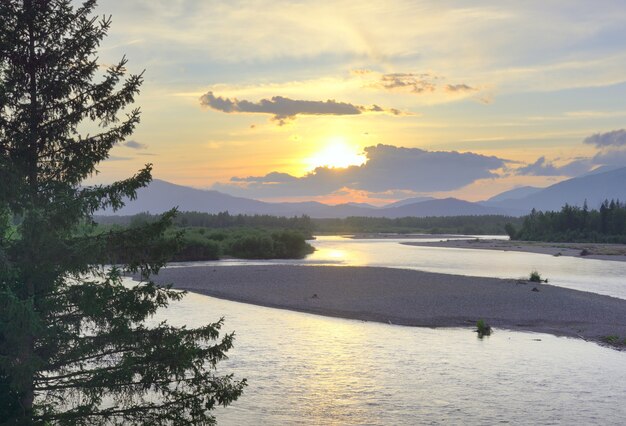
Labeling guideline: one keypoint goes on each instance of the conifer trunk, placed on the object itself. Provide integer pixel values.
(71, 332)
(28, 397)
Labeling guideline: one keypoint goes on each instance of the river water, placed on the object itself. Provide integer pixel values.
(597, 276)
(307, 369)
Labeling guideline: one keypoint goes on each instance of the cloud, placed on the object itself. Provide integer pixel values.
(608, 139)
(557, 49)
(133, 144)
(538, 168)
(542, 167)
(459, 88)
(415, 83)
(388, 168)
(274, 177)
(611, 157)
(284, 109)
(611, 152)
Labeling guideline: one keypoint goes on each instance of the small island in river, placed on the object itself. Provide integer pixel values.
(407, 297)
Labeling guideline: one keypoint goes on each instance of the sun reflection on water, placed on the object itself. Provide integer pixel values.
(333, 254)
(333, 373)
(306, 369)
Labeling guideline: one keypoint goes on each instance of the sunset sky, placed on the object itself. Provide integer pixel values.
(371, 101)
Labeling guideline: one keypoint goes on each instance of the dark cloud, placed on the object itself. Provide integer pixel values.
(539, 168)
(609, 139)
(459, 88)
(133, 144)
(274, 177)
(418, 83)
(610, 152)
(285, 109)
(612, 157)
(388, 168)
(542, 167)
(577, 167)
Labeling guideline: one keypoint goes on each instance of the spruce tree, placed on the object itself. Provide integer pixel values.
(75, 347)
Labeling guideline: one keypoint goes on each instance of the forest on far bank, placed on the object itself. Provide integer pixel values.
(467, 225)
(574, 224)
(205, 236)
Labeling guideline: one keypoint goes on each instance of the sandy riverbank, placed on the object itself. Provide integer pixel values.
(615, 252)
(409, 297)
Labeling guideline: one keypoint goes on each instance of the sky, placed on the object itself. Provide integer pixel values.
(340, 101)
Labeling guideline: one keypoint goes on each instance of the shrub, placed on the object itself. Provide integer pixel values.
(615, 341)
(251, 246)
(535, 277)
(482, 328)
(290, 244)
(197, 250)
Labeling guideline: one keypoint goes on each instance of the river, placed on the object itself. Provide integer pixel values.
(307, 369)
(597, 276)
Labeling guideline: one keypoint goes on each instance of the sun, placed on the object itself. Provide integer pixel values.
(336, 153)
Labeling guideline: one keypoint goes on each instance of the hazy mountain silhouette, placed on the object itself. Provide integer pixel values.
(444, 207)
(366, 205)
(595, 188)
(160, 196)
(408, 201)
(513, 194)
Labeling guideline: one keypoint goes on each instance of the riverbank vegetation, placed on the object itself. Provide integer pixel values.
(466, 225)
(223, 220)
(535, 277)
(482, 328)
(243, 243)
(203, 236)
(574, 224)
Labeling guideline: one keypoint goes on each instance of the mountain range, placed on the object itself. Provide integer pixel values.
(160, 196)
(593, 188)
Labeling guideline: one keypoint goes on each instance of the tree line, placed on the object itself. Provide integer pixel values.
(221, 220)
(466, 225)
(574, 224)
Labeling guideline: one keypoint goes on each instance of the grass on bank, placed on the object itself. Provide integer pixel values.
(615, 341)
(482, 328)
(535, 277)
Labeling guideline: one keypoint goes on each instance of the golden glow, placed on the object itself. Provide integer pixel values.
(336, 254)
(334, 251)
(337, 153)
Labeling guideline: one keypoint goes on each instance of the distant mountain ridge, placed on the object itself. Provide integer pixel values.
(408, 201)
(513, 194)
(593, 188)
(161, 196)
